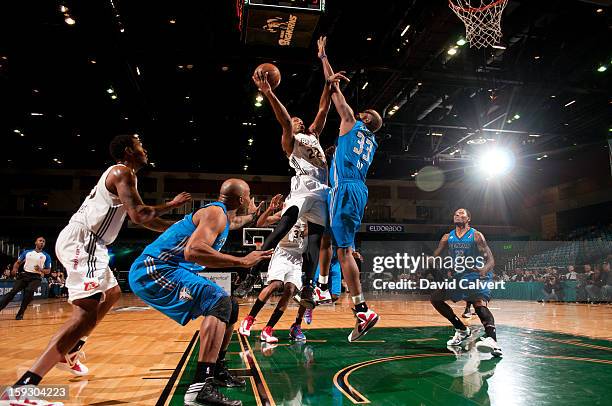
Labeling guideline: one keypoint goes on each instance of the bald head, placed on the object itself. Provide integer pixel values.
(235, 193)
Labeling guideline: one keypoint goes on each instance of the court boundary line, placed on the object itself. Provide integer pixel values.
(265, 394)
(170, 387)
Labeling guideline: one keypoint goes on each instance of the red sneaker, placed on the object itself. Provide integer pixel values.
(72, 364)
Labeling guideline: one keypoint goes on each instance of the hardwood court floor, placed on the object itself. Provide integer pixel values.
(134, 352)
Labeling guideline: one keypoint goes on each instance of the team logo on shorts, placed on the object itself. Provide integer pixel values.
(185, 295)
(90, 286)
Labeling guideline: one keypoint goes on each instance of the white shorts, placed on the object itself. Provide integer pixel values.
(286, 266)
(310, 197)
(86, 261)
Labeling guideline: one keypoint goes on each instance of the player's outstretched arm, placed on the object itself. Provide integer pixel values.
(347, 116)
(282, 116)
(210, 222)
(240, 221)
(318, 124)
(484, 249)
(125, 183)
(267, 217)
(158, 224)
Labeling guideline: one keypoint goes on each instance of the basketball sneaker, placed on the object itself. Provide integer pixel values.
(246, 286)
(459, 337)
(72, 364)
(206, 393)
(488, 344)
(10, 398)
(308, 315)
(295, 333)
(365, 321)
(267, 335)
(467, 314)
(223, 377)
(322, 296)
(245, 326)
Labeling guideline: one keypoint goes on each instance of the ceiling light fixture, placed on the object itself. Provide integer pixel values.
(405, 30)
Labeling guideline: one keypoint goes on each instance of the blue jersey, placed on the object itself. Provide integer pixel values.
(353, 156)
(465, 246)
(170, 246)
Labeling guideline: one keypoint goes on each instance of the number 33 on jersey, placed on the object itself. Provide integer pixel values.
(354, 154)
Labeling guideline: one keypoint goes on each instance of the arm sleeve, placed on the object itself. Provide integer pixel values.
(22, 255)
(47, 261)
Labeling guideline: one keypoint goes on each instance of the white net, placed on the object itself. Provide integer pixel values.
(482, 19)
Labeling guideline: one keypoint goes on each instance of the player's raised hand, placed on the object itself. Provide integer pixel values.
(321, 43)
(255, 257)
(261, 81)
(276, 202)
(337, 77)
(181, 199)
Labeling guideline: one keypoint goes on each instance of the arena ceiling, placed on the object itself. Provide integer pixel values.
(178, 74)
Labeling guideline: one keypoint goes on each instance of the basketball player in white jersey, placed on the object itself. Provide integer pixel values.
(81, 247)
(308, 198)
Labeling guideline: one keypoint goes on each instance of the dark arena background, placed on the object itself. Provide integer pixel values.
(515, 126)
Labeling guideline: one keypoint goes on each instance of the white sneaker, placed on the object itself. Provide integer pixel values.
(488, 344)
(245, 326)
(459, 337)
(467, 315)
(364, 322)
(321, 296)
(267, 335)
(72, 364)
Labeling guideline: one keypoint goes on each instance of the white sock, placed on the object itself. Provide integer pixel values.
(323, 279)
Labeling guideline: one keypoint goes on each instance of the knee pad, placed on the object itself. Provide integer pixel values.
(234, 314)
(222, 309)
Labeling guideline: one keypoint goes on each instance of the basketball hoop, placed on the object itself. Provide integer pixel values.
(482, 23)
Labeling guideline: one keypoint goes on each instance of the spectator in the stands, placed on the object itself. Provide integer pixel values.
(7, 273)
(571, 274)
(594, 285)
(552, 289)
(518, 275)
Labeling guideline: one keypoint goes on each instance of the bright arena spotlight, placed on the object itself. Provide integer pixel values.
(496, 161)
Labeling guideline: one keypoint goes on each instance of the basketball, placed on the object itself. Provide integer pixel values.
(274, 76)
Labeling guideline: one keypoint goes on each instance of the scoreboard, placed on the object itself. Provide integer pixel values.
(279, 23)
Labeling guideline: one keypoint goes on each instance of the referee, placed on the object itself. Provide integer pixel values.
(36, 263)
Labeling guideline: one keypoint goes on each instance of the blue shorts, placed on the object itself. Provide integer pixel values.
(471, 295)
(174, 291)
(335, 277)
(347, 202)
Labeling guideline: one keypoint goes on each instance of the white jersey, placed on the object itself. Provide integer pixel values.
(102, 213)
(308, 158)
(295, 240)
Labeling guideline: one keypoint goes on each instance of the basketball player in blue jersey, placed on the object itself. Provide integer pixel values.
(165, 277)
(463, 243)
(355, 148)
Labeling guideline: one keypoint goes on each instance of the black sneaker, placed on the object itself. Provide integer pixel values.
(306, 297)
(206, 393)
(223, 377)
(19, 317)
(246, 286)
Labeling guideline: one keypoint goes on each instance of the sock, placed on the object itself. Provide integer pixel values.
(204, 370)
(446, 311)
(361, 307)
(323, 282)
(256, 307)
(486, 317)
(275, 317)
(78, 345)
(29, 378)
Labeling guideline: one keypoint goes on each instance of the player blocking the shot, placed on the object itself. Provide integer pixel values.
(307, 200)
(466, 242)
(355, 148)
(165, 276)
